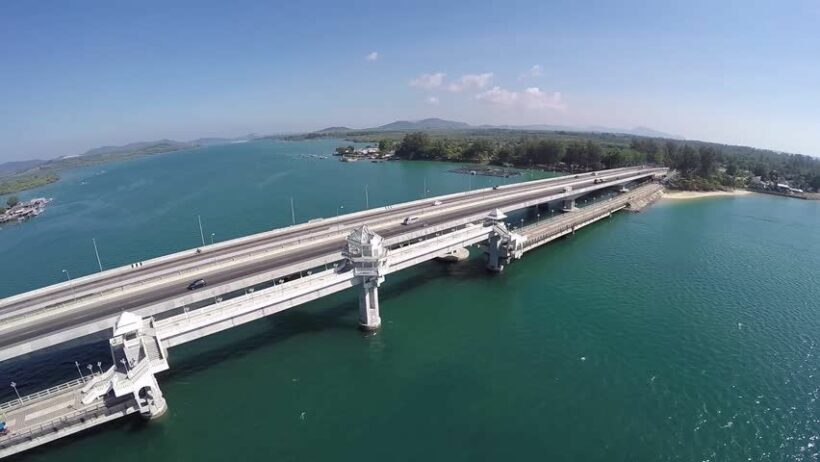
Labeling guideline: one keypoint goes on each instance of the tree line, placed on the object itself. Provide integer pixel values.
(701, 165)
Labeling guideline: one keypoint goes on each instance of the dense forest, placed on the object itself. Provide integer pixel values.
(701, 166)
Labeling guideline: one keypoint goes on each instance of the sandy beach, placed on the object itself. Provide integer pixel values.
(680, 195)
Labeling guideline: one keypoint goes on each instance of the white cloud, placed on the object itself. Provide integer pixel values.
(471, 81)
(531, 98)
(428, 81)
(534, 71)
(432, 100)
(372, 56)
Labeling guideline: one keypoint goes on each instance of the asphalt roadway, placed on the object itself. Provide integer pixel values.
(159, 293)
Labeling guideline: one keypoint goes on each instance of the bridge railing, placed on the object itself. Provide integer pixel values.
(54, 425)
(577, 218)
(23, 400)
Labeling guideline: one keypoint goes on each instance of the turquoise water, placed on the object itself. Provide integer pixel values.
(687, 332)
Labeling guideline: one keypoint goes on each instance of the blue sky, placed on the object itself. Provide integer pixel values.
(76, 75)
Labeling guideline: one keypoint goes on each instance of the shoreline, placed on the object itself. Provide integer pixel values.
(688, 195)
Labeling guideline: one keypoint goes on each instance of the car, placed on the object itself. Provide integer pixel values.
(198, 284)
(598, 180)
(437, 203)
(495, 188)
(410, 220)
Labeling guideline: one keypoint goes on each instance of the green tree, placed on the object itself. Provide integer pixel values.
(543, 152)
(592, 155)
(386, 145)
(614, 158)
(708, 161)
(12, 201)
(414, 146)
(479, 151)
(815, 183)
(574, 153)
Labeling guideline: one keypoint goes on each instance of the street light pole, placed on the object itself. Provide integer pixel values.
(14, 385)
(80, 371)
(212, 238)
(366, 198)
(99, 366)
(201, 234)
(292, 212)
(70, 283)
(97, 253)
(338, 210)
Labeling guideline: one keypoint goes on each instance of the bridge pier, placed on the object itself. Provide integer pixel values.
(569, 205)
(369, 318)
(502, 245)
(137, 355)
(365, 250)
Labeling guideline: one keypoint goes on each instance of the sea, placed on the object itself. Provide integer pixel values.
(687, 332)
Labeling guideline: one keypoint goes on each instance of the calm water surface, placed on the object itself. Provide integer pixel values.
(688, 332)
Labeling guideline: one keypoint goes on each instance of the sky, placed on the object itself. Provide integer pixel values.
(81, 74)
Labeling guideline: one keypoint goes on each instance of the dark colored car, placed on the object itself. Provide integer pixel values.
(198, 284)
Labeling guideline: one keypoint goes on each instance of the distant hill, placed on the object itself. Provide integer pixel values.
(215, 140)
(334, 130)
(9, 168)
(425, 124)
(445, 125)
(144, 147)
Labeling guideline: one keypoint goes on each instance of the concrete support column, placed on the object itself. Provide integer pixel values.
(369, 305)
(151, 402)
(495, 254)
(569, 205)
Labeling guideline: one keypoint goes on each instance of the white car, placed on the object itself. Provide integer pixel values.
(410, 220)
(437, 203)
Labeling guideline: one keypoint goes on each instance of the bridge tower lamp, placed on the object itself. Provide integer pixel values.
(201, 234)
(99, 366)
(97, 253)
(68, 278)
(14, 385)
(90, 370)
(82, 377)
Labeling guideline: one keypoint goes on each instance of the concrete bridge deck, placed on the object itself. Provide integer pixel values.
(27, 330)
(55, 413)
(139, 344)
(133, 277)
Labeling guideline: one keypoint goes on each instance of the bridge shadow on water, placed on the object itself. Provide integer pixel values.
(335, 312)
(339, 311)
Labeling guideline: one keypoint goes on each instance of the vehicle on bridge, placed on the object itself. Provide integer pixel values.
(410, 220)
(198, 284)
(598, 180)
(437, 202)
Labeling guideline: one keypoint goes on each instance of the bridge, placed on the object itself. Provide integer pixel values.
(145, 309)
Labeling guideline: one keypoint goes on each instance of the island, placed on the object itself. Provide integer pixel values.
(16, 211)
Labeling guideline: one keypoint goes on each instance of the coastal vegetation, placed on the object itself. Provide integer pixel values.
(22, 182)
(47, 172)
(701, 166)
